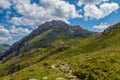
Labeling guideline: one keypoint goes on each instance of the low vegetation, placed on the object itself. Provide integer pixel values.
(93, 58)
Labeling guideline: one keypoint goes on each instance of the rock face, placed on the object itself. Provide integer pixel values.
(111, 29)
(59, 29)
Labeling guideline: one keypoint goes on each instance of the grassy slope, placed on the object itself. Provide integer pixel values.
(32, 43)
(89, 59)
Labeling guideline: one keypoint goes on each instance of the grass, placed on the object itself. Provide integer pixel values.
(89, 59)
(100, 65)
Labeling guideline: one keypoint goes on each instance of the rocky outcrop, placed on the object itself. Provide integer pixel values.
(111, 29)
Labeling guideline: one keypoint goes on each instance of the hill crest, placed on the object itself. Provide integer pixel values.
(46, 34)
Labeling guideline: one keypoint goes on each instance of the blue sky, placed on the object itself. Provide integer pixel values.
(19, 17)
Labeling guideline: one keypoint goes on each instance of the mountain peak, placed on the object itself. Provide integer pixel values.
(45, 35)
(54, 24)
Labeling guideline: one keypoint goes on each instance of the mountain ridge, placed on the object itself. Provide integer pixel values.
(60, 30)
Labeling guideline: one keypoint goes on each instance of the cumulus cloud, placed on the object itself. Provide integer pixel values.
(101, 27)
(35, 14)
(19, 31)
(5, 4)
(4, 34)
(97, 9)
(92, 11)
(7, 34)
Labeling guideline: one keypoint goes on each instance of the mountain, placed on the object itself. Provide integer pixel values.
(66, 58)
(45, 35)
(111, 29)
(3, 48)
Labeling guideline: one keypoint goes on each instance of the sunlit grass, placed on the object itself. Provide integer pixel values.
(90, 59)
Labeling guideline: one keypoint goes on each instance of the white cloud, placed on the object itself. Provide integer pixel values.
(19, 31)
(101, 27)
(36, 14)
(5, 4)
(97, 9)
(4, 34)
(7, 35)
(92, 11)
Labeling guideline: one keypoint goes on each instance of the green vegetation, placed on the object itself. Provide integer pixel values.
(3, 48)
(93, 58)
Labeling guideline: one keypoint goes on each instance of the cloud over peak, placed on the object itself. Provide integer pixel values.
(34, 14)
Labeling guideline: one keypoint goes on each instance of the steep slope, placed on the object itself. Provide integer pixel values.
(45, 35)
(3, 48)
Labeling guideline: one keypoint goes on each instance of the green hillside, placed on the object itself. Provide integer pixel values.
(92, 58)
(3, 48)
